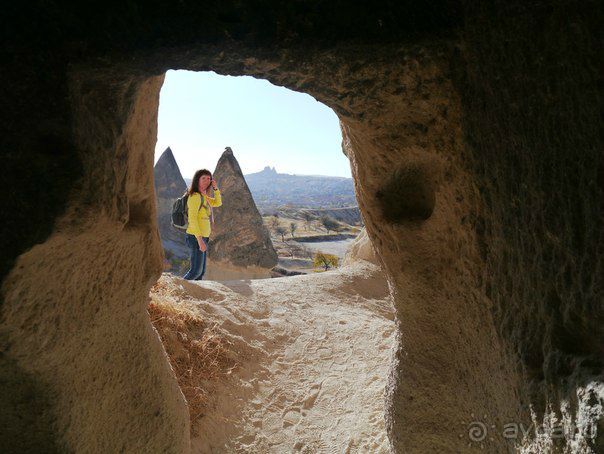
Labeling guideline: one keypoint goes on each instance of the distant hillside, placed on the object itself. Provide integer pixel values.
(271, 189)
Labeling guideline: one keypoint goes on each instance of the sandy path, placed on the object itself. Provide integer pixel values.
(313, 352)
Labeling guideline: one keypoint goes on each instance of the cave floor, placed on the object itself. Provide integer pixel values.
(312, 356)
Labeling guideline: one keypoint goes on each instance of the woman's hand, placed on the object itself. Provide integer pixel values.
(202, 244)
(214, 184)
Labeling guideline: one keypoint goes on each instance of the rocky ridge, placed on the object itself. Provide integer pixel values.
(272, 189)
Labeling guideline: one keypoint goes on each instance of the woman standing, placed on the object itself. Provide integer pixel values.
(199, 206)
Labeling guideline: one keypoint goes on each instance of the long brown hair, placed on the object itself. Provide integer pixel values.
(195, 181)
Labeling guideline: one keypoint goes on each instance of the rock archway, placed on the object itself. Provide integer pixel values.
(445, 113)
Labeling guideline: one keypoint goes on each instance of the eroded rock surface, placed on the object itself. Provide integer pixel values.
(78, 337)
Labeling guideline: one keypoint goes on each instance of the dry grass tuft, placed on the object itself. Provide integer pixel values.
(198, 354)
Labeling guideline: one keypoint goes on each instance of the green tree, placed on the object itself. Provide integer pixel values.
(325, 260)
(292, 228)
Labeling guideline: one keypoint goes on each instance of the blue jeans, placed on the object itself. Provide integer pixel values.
(198, 258)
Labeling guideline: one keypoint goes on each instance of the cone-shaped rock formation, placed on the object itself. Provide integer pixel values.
(238, 234)
(169, 185)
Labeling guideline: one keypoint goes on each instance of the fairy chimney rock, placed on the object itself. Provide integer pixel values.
(169, 185)
(238, 235)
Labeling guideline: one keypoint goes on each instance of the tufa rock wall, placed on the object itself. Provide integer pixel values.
(458, 120)
(81, 334)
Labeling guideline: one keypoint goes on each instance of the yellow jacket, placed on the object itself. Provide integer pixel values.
(199, 216)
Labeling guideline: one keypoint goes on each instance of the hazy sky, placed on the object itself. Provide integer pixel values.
(201, 113)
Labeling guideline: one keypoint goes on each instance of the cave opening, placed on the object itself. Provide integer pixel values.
(237, 340)
(291, 183)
